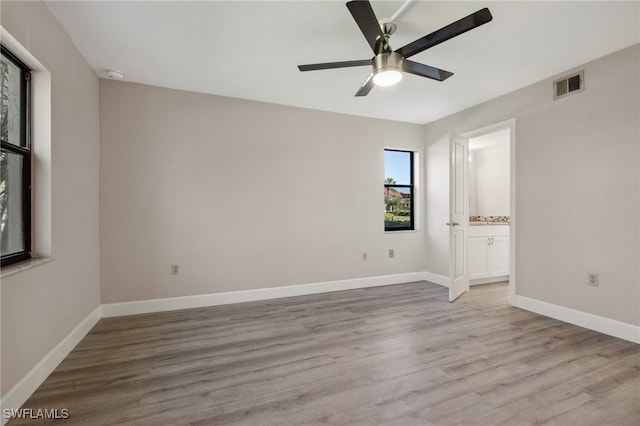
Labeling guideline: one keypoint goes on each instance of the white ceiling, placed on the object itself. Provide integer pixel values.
(250, 49)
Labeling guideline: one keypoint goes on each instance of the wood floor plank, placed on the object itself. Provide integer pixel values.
(395, 355)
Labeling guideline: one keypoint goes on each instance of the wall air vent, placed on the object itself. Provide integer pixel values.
(569, 85)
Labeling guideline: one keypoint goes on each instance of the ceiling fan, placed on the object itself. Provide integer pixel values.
(388, 65)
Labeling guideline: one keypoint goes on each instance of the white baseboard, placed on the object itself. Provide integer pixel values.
(213, 299)
(22, 390)
(603, 325)
(436, 278)
(19, 394)
(479, 281)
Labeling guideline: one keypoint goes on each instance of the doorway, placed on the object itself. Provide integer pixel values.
(491, 233)
(486, 253)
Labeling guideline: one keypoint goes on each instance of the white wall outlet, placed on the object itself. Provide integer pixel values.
(174, 269)
(593, 279)
(364, 255)
(392, 253)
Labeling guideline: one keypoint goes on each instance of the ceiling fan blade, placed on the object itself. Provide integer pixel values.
(445, 33)
(330, 65)
(425, 70)
(364, 16)
(366, 86)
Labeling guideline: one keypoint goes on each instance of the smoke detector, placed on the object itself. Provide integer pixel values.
(114, 74)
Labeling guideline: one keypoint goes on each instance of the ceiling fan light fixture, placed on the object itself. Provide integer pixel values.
(387, 77)
(387, 69)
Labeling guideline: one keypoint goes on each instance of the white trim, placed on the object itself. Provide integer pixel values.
(213, 299)
(22, 390)
(511, 125)
(436, 279)
(604, 325)
(513, 217)
(25, 265)
(491, 128)
(489, 280)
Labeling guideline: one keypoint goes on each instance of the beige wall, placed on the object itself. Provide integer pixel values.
(241, 194)
(42, 305)
(577, 187)
(245, 195)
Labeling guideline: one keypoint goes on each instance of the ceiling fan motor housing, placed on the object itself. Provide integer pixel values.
(387, 62)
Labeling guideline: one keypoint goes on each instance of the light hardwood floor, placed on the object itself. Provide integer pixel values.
(394, 355)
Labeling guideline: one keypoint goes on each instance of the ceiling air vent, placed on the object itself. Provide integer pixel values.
(568, 85)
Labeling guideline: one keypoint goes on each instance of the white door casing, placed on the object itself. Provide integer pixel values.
(511, 125)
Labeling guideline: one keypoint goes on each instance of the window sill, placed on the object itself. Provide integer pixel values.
(16, 268)
(408, 231)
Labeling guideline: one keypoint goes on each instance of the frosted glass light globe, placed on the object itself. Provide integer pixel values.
(387, 77)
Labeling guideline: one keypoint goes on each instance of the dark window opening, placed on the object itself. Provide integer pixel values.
(398, 190)
(15, 159)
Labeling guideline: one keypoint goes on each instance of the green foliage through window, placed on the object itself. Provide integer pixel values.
(398, 190)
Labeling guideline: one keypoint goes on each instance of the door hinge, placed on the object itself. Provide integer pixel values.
(27, 76)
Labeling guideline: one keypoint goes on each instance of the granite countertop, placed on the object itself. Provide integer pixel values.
(489, 220)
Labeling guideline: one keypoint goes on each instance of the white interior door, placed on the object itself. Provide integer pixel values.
(458, 216)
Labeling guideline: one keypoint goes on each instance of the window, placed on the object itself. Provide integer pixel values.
(398, 190)
(15, 160)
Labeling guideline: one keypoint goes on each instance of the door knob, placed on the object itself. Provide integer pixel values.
(452, 224)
